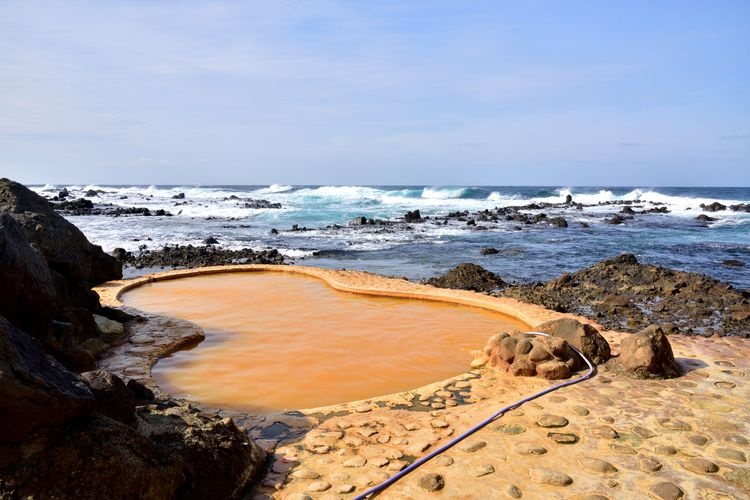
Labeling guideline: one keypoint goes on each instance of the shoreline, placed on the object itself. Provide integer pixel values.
(315, 448)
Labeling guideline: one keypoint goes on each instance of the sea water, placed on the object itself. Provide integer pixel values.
(526, 253)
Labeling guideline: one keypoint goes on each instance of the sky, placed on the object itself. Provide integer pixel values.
(635, 93)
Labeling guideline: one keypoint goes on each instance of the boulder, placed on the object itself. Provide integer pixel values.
(705, 218)
(28, 297)
(468, 276)
(67, 251)
(582, 336)
(523, 354)
(713, 207)
(648, 354)
(358, 221)
(113, 398)
(489, 251)
(557, 222)
(35, 390)
(413, 216)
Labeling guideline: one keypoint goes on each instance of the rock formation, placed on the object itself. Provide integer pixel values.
(64, 435)
(527, 355)
(647, 354)
(468, 276)
(582, 336)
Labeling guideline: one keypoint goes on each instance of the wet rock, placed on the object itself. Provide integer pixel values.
(580, 335)
(178, 196)
(358, 221)
(489, 251)
(705, 218)
(189, 256)
(431, 481)
(732, 263)
(112, 396)
(615, 220)
(140, 391)
(557, 221)
(713, 207)
(413, 217)
(210, 241)
(648, 354)
(468, 276)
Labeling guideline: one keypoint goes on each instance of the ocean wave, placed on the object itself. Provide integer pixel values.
(443, 193)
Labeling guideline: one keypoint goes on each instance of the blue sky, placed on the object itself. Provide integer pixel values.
(387, 92)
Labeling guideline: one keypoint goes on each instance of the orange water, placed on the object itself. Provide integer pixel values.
(284, 341)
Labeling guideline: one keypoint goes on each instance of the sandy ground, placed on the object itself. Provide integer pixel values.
(609, 437)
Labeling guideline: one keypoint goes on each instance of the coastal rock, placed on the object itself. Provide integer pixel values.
(625, 295)
(468, 276)
(413, 217)
(580, 335)
(489, 251)
(713, 207)
(648, 354)
(358, 221)
(65, 248)
(35, 390)
(557, 221)
(28, 297)
(529, 355)
(113, 398)
(705, 218)
(189, 256)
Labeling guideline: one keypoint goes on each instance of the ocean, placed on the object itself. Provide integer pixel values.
(526, 252)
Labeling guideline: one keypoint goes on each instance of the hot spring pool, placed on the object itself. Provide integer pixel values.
(278, 341)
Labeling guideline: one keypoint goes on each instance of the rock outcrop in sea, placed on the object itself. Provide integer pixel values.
(91, 435)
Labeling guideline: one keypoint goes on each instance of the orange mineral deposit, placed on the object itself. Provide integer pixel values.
(278, 341)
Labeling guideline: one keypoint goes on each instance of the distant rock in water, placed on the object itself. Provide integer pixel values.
(623, 294)
(489, 251)
(713, 207)
(468, 276)
(413, 216)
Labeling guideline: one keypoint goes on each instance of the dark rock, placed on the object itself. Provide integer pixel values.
(732, 263)
(713, 207)
(468, 276)
(64, 193)
(28, 297)
(705, 218)
(647, 354)
(358, 221)
(489, 251)
(557, 221)
(119, 254)
(568, 199)
(274, 230)
(178, 196)
(140, 391)
(413, 217)
(622, 294)
(91, 193)
(210, 241)
(615, 219)
(113, 398)
(627, 210)
(188, 256)
(35, 390)
(580, 335)
(65, 248)
(741, 207)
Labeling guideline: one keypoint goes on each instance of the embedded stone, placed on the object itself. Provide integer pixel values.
(530, 449)
(319, 486)
(345, 488)
(701, 466)
(548, 420)
(355, 462)
(512, 429)
(439, 423)
(698, 440)
(551, 477)
(563, 438)
(513, 491)
(730, 454)
(444, 461)
(643, 432)
(473, 447)
(649, 465)
(666, 491)
(431, 481)
(579, 410)
(666, 450)
(379, 461)
(674, 424)
(597, 465)
(622, 449)
(305, 474)
(483, 470)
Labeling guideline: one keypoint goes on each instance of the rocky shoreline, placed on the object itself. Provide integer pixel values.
(67, 428)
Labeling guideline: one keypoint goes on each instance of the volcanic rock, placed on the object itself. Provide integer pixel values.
(113, 398)
(468, 276)
(413, 216)
(35, 390)
(713, 207)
